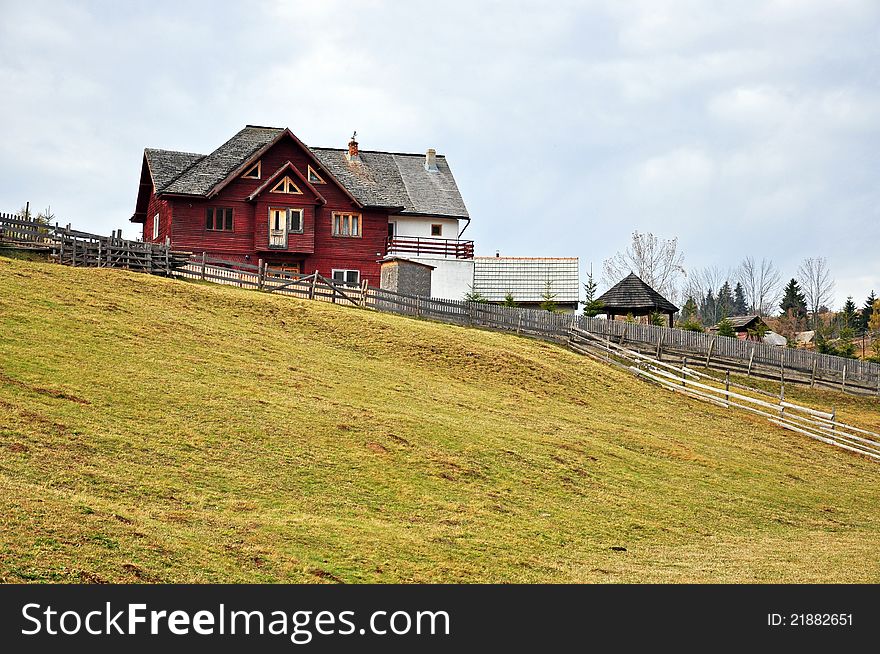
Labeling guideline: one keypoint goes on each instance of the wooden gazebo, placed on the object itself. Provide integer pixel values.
(633, 296)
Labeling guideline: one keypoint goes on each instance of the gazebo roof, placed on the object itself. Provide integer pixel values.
(631, 293)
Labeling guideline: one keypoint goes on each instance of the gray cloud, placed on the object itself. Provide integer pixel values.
(743, 128)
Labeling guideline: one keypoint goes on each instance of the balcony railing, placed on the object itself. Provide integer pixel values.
(422, 245)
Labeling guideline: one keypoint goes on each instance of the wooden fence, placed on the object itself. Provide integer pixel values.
(75, 248)
(713, 351)
(819, 425)
(264, 278)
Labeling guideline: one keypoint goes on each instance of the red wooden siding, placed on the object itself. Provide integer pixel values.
(316, 248)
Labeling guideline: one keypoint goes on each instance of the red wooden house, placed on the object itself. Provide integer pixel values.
(265, 195)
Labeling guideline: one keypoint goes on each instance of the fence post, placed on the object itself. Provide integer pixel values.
(843, 381)
(659, 350)
(709, 352)
(261, 275)
(204, 257)
(782, 383)
(727, 387)
(168, 256)
(312, 287)
(751, 358)
(813, 374)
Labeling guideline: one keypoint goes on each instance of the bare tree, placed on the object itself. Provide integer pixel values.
(761, 283)
(656, 260)
(816, 283)
(703, 282)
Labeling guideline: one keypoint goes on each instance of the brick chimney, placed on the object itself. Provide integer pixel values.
(353, 152)
(431, 160)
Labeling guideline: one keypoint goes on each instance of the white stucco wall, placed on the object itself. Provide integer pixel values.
(451, 278)
(420, 226)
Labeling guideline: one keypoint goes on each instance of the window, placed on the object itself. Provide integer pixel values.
(284, 221)
(314, 177)
(218, 219)
(347, 277)
(436, 230)
(347, 224)
(286, 185)
(281, 218)
(155, 227)
(392, 229)
(254, 171)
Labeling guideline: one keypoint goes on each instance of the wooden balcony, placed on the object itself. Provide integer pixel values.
(452, 248)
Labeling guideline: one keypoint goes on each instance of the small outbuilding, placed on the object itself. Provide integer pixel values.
(406, 276)
(743, 325)
(632, 296)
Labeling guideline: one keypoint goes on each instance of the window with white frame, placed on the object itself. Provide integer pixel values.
(347, 224)
(155, 226)
(347, 277)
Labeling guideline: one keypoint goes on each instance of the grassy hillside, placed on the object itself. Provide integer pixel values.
(158, 430)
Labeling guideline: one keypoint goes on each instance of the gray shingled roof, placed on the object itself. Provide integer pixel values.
(526, 278)
(382, 179)
(166, 165)
(740, 322)
(215, 167)
(397, 180)
(632, 293)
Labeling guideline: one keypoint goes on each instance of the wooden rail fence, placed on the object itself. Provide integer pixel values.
(747, 357)
(819, 425)
(751, 358)
(75, 248)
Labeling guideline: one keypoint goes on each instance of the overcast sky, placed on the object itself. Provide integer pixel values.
(742, 128)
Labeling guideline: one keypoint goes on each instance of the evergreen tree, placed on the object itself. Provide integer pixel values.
(725, 328)
(657, 319)
(592, 306)
(793, 301)
(848, 314)
(866, 313)
(874, 320)
(708, 309)
(509, 301)
(548, 299)
(474, 296)
(725, 300)
(689, 310)
(739, 301)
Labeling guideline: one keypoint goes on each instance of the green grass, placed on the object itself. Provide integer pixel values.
(162, 431)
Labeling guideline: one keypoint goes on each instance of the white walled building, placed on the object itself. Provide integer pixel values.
(432, 217)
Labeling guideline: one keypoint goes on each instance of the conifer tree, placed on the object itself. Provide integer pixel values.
(592, 306)
(848, 314)
(548, 299)
(739, 301)
(793, 300)
(725, 300)
(866, 313)
(725, 328)
(708, 309)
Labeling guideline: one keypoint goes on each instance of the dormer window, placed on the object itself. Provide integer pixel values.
(286, 185)
(254, 171)
(314, 177)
